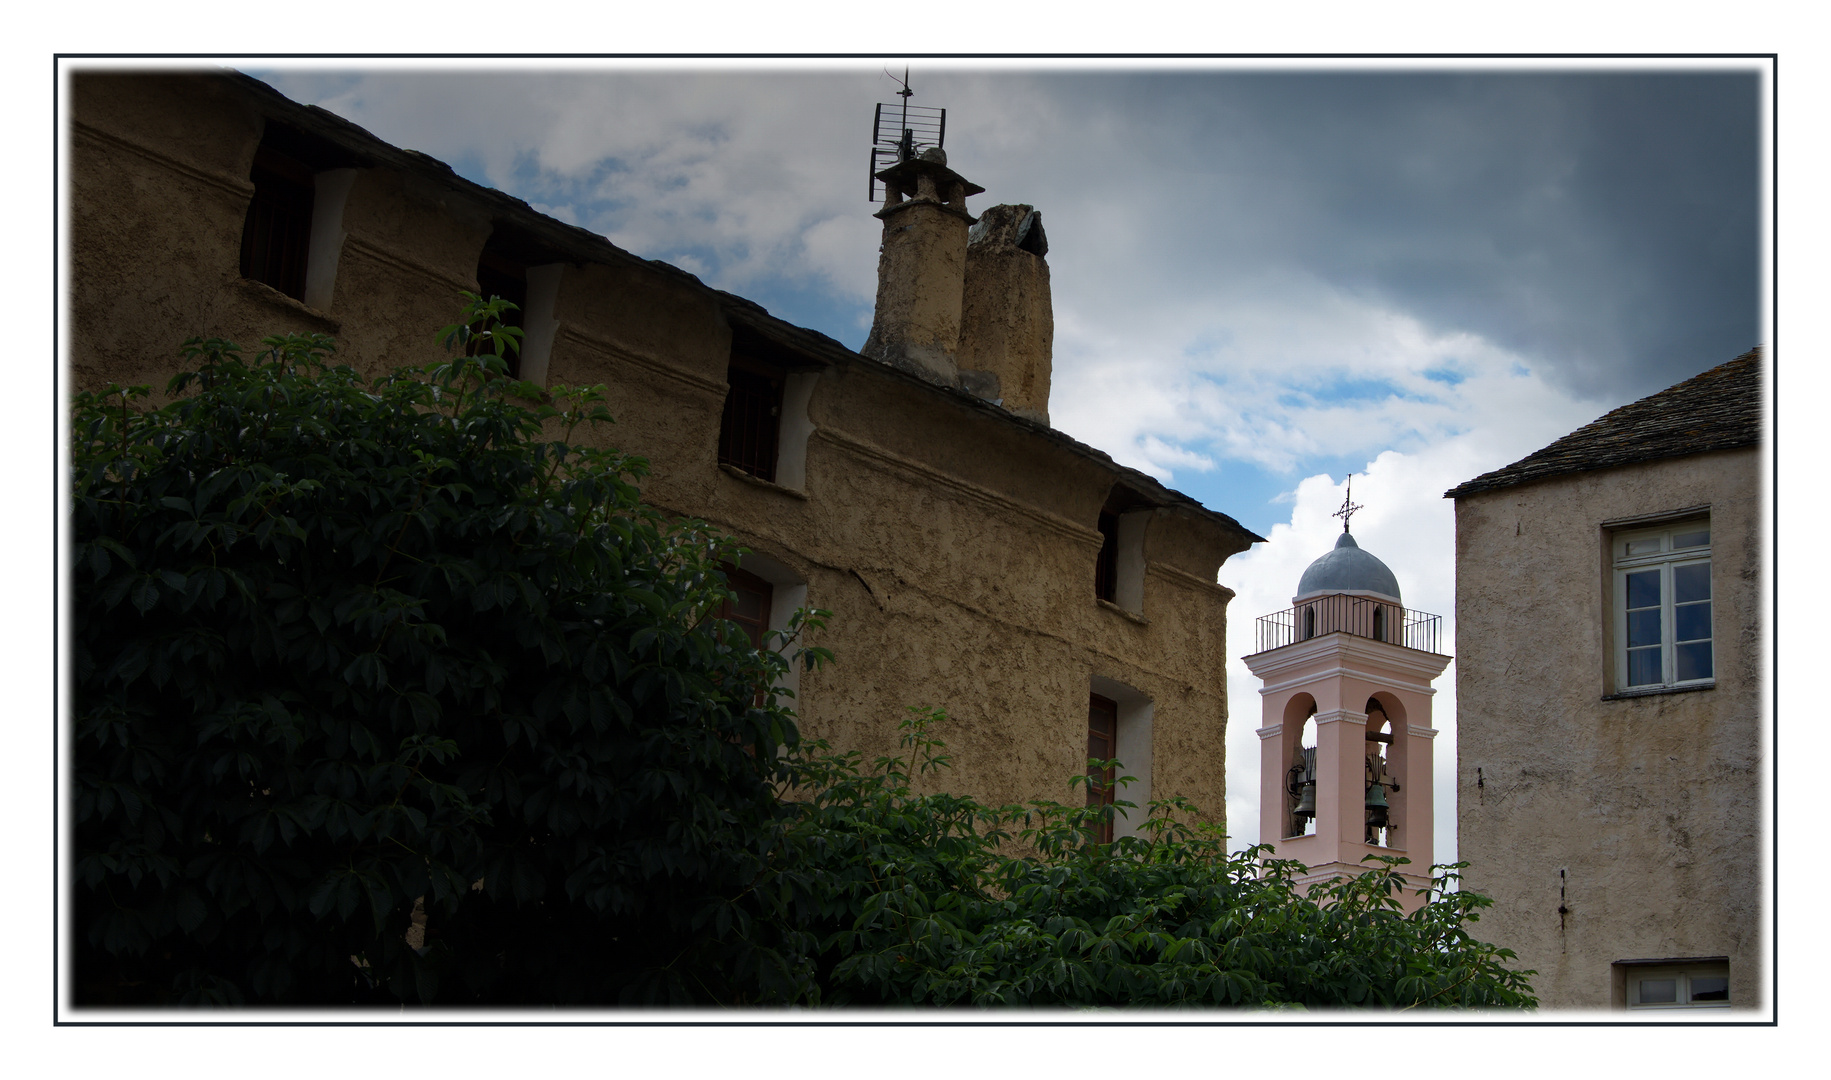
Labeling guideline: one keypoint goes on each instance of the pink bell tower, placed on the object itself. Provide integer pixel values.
(1345, 749)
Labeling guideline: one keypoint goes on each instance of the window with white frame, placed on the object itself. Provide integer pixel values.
(1688, 985)
(1662, 607)
(1119, 726)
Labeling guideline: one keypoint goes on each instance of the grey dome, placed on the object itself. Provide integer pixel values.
(1348, 569)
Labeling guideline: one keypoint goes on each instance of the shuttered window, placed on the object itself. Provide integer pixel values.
(276, 237)
(748, 431)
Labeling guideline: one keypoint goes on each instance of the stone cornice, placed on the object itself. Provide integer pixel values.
(923, 473)
(239, 187)
(1350, 655)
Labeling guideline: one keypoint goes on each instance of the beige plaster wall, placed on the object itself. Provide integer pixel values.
(954, 543)
(1641, 816)
(1007, 321)
(921, 265)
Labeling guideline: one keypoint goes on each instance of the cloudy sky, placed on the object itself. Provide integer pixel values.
(1265, 277)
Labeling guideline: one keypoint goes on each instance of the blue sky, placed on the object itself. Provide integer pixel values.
(1265, 277)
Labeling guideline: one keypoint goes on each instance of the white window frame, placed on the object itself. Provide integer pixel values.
(1682, 975)
(1665, 558)
(1132, 749)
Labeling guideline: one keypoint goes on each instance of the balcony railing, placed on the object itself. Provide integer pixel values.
(1361, 616)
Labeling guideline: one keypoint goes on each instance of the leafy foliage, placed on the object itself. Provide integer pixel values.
(352, 658)
(339, 648)
(937, 900)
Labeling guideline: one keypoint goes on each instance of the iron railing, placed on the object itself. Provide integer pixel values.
(1360, 616)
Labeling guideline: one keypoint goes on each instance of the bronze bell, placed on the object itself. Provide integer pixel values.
(1377, 806)
(1306, 800)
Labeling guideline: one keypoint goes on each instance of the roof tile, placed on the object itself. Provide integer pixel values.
(1718, 410)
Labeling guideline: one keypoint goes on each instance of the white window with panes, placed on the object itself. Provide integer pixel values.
(1700, 984)
(1662, 608)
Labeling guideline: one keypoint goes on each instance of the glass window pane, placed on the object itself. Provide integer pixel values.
(1643, 667)
(1696, 538)
(1658, 991)
(1643, 547)
(1693, 661)
(1643, 627)
(1714, 988)
(1689, 582)
(748, 604)
(1643, 589)
(1691, 622)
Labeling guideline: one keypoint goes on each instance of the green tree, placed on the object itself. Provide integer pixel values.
(938, 900)
(339, 648)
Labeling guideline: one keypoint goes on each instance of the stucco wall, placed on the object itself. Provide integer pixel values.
(1640, 816)
(954, 543)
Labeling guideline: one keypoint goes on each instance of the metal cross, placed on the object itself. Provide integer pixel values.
(1348, 505)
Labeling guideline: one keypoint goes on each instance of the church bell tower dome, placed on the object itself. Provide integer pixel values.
(1348, 569)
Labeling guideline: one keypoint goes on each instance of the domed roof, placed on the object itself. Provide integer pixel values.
(1348, 569)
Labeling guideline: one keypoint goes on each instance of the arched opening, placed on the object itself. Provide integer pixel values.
(1309, 622)
(1385, 771)
(1300, 779)
(1379, 623)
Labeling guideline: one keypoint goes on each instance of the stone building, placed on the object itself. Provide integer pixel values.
(1609, 633)
(975, 559)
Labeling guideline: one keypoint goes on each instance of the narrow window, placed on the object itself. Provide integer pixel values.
(1309, 622)
(1662, 607)
(749, 608)
(500, 275)
(1379, 623)
(1102, 745)
(276, 237)
(293, 234)
(1106, 569)
(748, 430)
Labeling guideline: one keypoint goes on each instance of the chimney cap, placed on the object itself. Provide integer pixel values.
(904, 173)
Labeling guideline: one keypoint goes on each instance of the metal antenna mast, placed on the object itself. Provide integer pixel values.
(904, 131)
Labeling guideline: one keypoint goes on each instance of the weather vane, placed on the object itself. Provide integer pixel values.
(1348, 505)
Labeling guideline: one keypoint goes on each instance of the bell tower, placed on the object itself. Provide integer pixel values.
(1345, 746)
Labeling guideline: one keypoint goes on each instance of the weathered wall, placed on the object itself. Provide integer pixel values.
(159, 191)
(1007, 320)
(954, 543)
(921, 265)
(1639, 816)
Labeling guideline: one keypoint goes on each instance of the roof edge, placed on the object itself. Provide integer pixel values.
(818, 346)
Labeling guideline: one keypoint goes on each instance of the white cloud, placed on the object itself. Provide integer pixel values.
(737, 166)
(1275, 378)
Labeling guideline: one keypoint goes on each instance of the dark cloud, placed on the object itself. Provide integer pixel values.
(1605, 225)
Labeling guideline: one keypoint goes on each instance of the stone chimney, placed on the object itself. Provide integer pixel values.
(1007, 329)
(921, 272)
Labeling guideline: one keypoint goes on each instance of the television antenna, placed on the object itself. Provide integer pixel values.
(901, 131)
